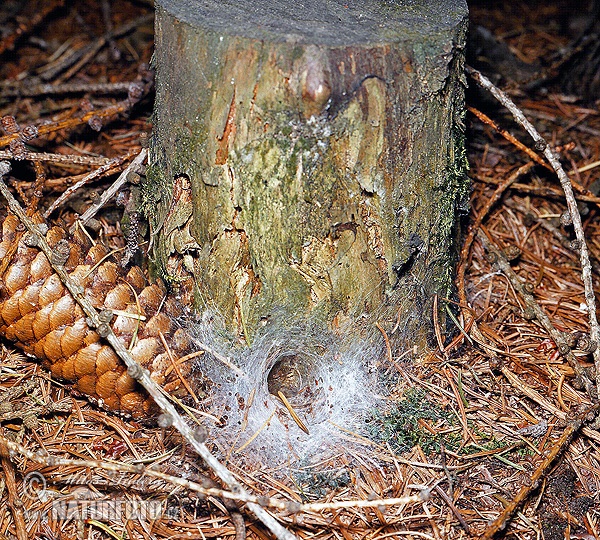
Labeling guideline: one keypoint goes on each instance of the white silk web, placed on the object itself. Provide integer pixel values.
(339, 390)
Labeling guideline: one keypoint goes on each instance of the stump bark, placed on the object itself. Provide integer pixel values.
(308, 159)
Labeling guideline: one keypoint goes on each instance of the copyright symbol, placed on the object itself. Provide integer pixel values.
(34, 485)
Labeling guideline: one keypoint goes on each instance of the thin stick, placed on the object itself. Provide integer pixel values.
(510, 138)
(70, 122)
(264, 425)
(70, 159)
(134, 166)
(588, 167)
(170, 415)
(292, 412)
(453, 508)
(388, 347)
(586, 267)
(175, 367)
(223, 359)
(22, 90)
(271, 502)
(557, 449)
(500, 261)
(13, 500)
(436, 326)
(100, 171)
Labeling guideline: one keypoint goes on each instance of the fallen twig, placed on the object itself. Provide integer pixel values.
(498, 259)
(575, 217)
(510, 138)
(223, 359)
(71, 159)
(44, 129)
(100, 171)
(170, 415)
(14, 502)
(134, 166)
(291, 507)
(557, 449)
(46, 89)
(513, 140)
(453, 508)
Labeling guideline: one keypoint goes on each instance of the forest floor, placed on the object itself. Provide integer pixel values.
(476, 419)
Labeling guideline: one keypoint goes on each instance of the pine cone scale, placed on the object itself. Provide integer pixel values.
(39, 315)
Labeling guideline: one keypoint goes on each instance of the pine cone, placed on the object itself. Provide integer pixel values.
(39, 315)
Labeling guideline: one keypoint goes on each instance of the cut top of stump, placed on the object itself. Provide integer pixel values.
(321, 22)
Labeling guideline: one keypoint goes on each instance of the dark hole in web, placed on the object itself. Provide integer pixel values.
(286, 375)
(293, 374)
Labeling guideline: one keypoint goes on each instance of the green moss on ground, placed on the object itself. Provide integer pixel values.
(400, 429)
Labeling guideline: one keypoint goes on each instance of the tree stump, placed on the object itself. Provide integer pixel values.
(308, 159)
